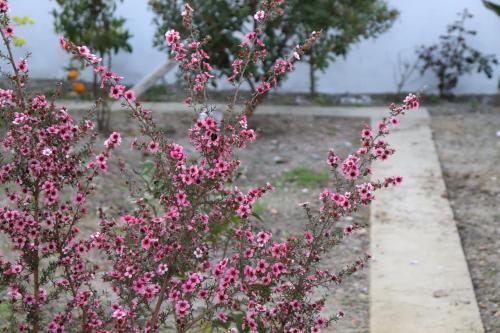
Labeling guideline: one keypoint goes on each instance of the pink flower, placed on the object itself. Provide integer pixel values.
(278, 268)
(83, 51)
(172, 36)
(63, 43)
(4, 6)
(366, 133)
(222, 316)
(412, 101)
(182, 308)
(116, 91)
(309, 237)
(263, 237)
(162, 269)
(394, 121)
(181, 199)
(244, 211)
(350, 168)
(129, 96)
(333, 159)
(113, 141)
(260, 15)
(176, 152)
(22, 65)
(262, 266)
(80, 198)
(119, 314)
(29, 299)
(153, 147)
(147, 242)
(8, 31)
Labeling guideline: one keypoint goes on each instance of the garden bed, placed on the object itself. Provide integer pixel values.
(290, 151)
(468, 144)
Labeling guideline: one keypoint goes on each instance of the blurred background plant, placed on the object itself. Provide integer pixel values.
(93, 23)
(453, 57)
(343, 23)
(495, 8)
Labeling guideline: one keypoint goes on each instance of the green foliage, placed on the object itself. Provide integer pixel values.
(92, 23)
(453, 57)
(18, 41)
(259, 208)
(302, 177)
(492, 6)
(219, 19)
(343, 22)
(22, 20)
(5, 311)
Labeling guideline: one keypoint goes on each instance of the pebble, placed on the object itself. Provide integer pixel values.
(440, 293)
(279, 160)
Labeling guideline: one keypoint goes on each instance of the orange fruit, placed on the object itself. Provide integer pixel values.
(79, 87)
(72, 74)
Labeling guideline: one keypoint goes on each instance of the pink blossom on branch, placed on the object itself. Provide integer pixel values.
(22, 65)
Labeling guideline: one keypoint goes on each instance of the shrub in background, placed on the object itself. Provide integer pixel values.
(452, 57)
(495, 8)
(94, 23)
(342, 22)
(188, 256)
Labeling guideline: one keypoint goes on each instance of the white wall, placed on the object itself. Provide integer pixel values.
(369, 67)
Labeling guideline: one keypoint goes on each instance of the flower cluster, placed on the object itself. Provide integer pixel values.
(188, 254)
(44, 150)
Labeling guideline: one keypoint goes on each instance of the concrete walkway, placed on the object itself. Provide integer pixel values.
(419, 279)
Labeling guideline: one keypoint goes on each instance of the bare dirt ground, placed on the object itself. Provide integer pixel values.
(468, 144)
(291, 153)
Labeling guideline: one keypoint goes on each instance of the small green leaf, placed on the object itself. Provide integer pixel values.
(18, 41)
(22, 20)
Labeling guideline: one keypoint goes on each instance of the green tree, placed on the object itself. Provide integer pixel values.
(343, 23)
(219, 19)
(93, 23)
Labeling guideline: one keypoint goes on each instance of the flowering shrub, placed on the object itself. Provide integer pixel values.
(46, 188)
(188, 257)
